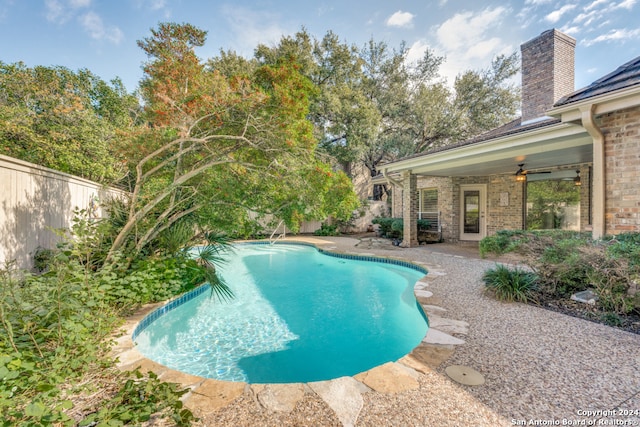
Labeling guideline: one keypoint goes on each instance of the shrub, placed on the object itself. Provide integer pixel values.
(610, 279)
(625, 245)
(327, 230)
(393, 227)
(42, 257)
(385, 225)
(502, 242)
(510, 284)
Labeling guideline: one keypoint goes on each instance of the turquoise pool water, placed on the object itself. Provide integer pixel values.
(298, 315)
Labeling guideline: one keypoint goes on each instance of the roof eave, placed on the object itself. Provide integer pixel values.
(605, 103)
(476, 150)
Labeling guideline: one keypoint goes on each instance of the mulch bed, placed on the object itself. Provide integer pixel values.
(629, 323)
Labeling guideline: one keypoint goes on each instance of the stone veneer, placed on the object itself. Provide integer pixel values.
(621, 130)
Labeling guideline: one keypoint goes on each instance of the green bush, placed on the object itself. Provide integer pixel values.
(567, 262)
(510, 284)
(55, 329)
(394, 227)
(150, 280)
(625, 245)
(327, 230)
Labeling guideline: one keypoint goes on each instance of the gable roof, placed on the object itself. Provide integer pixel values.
(625, 76)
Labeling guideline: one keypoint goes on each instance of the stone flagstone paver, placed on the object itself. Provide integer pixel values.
(212, 395)
(343, 395)
(389, 378)
(279, 397)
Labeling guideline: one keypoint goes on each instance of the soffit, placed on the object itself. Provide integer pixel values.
(552, 146)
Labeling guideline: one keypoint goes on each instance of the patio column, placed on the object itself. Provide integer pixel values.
(410, 210)
(599, 173)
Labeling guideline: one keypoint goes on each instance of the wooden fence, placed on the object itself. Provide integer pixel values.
(34, 200)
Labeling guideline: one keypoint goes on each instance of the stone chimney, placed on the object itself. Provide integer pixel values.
(548, 70)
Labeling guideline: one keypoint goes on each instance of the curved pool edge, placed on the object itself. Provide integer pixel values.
(207, 395)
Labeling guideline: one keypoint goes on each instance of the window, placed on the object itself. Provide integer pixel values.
(429, 207)
(553, 204)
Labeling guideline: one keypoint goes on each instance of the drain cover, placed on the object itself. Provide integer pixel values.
(464, 375)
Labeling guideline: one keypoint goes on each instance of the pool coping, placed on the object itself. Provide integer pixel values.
(207, 395)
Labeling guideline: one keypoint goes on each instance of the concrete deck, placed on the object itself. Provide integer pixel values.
(538, 365)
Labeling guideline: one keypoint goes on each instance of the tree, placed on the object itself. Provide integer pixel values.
(487, 99)
(70, 121)
(224, 145)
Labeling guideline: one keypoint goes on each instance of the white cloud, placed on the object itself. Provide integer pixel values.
(55, 11)
(416, 51)
(60, 11)
(537, 2)
(595, 4)
(626, 4)
(465, 29)
(470, 41)
(251, 28)
(571, 30)
(614, 35)
(94, 26)
(78, 4)
(400, 19)
(586, 18)
(555, 16)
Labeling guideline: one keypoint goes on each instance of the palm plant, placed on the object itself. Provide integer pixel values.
(207, 257)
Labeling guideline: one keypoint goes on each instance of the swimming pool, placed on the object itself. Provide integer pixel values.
(298, 315)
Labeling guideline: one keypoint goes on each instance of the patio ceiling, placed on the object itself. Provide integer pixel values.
(549, 147)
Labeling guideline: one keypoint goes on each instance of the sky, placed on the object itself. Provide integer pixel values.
(101, 35)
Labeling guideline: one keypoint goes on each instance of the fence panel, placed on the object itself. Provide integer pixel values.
(34, 200)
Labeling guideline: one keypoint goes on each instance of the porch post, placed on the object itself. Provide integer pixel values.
(410, 210)
(599, 173)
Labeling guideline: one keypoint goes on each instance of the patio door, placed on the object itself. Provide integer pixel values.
(473, 206)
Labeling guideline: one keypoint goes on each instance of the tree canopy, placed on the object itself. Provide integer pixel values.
(224, 145)
(70, 121)
(374, 105)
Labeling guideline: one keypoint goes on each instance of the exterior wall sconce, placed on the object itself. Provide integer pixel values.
(576, 180)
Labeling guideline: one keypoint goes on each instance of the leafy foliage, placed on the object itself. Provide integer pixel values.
(567, 262)
(327, 230)
(138, 400)
(374, 105)
(511, 284)
(73, 122)
(55, 329)
(394, 227)
(223, 146)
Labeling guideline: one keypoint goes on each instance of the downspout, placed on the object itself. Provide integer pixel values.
(391, 182)
(598, 180)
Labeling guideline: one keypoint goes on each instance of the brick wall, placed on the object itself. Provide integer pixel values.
(504, 200)
(621, 131)
(547, 72)
(504, 204)
(445, 203)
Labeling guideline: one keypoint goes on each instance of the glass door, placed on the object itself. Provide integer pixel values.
(472, 212)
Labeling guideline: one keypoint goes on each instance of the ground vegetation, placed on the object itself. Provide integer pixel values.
(564, 263)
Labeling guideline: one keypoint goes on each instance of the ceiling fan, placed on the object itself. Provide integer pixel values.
(521, 174)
